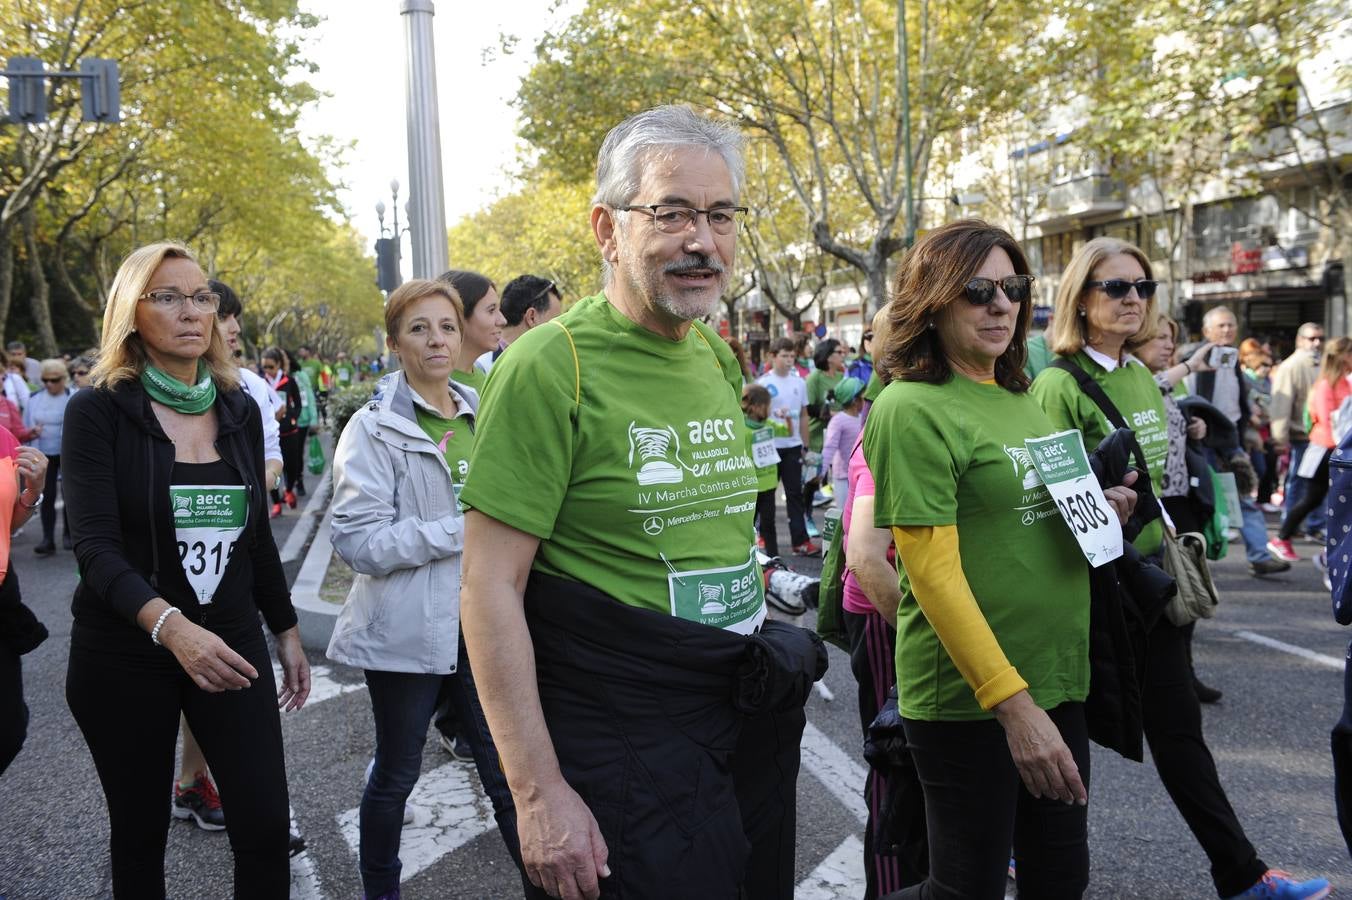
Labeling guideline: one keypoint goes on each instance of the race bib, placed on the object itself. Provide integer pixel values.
(208, 520)
(831, 527)
(732, 598)
(763, 452)
(1064, 468)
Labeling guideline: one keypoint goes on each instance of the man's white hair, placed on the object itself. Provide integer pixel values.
(662, 129)
(1215, 312)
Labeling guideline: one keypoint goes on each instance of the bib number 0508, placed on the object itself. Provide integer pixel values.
(1083, 511)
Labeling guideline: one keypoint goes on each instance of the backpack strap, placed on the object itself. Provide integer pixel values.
(1094, 391)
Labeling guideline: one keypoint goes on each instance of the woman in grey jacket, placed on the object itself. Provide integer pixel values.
(397, 471)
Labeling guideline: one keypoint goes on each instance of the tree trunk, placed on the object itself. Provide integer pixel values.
(877, 287)
(41, 295)
(6, 275)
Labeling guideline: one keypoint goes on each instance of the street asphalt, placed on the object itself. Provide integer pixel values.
(1270, 736)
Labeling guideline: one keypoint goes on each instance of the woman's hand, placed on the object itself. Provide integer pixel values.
(1198, 361)
(31, 464)
(1196, 428)
(207, 659)
(295, 688)
(1122, 498)
(1044, 761)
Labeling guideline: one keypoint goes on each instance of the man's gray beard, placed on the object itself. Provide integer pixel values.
(690, 310)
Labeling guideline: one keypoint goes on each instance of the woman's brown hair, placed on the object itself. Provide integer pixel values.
(1337, 359)
(932, 276)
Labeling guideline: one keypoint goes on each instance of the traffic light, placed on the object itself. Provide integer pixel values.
(100, 95)
(27, 92)
(387, 264)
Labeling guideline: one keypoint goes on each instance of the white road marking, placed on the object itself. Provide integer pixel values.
(840, 773)
(1320, 658)
(839, 877)
(323, 686)
(821, 688)
(448, 812)
(304, 878)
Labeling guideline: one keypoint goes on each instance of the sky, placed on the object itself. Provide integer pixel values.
(359, 49)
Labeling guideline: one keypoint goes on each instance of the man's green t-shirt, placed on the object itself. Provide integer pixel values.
(473, 378)
(819, 387)
(313, 367)
(953, 454)
(453, 437)
(626, 454)
(1133, 391)
(344, 374)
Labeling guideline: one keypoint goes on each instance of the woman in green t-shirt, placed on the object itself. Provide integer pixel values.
(993, 625)
(1105, 308)
(484, 322)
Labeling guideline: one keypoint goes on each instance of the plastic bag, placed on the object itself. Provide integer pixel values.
(314, 453)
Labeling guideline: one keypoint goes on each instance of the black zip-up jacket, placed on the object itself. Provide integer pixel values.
(116, 465)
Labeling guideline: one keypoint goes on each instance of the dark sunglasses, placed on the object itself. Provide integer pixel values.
(1116, 288)
(981, 291)
(52, 380)
(81, 372)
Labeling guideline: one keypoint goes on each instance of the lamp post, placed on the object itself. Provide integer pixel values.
(427, 207)
(388, 248)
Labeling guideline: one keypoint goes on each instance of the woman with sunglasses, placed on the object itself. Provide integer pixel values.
(163, 463)
(993, 643)
(1105, 306)
(45, 412)
(79, 373)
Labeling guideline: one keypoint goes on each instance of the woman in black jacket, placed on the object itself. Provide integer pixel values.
(278, 373)
(164, 486)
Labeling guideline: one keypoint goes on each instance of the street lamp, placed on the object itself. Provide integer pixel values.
(388, 252)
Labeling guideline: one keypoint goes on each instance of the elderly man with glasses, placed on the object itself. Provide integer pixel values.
(647, 713)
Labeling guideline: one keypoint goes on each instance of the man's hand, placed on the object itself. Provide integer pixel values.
(1122, 498)
(561, 845)
(1196, 428)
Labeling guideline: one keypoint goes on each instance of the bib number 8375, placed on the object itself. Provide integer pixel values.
(1082, 510)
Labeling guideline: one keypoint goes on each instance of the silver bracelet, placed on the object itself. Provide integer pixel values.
(36, 502)
(159, 623)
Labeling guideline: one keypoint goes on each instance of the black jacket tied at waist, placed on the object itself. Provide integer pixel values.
(682, 739)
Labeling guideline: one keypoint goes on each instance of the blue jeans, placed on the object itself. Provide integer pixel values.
(403, 704)
(1295, 491)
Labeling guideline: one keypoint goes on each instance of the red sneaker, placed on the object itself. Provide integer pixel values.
(276, 510)
(290, 497)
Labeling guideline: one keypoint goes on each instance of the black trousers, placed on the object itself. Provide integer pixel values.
(293, 459)
(976, 808)
(1173, 729)
(873, 653)
(13, 711)
(791, 476)
(51, 488)
(765, 521)
(127, 704)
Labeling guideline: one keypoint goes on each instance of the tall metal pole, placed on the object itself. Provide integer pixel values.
(427, 207)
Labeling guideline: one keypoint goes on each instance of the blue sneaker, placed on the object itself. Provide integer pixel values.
(1278, 885)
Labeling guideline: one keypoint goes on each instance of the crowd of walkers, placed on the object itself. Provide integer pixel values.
(553, 523)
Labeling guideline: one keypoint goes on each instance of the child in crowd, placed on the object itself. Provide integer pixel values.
(841, 433)
(761, 432)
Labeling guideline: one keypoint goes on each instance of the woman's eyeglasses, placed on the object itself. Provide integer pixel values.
(80, 373)
(981, 291)
(1116, 288)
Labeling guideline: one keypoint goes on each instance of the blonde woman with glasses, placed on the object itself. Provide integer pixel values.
(163, 462)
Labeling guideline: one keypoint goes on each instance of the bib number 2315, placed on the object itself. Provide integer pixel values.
(1064, 468)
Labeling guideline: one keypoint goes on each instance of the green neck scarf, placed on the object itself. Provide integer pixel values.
(192, 400)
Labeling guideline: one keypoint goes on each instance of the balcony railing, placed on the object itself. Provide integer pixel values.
(1087, 196)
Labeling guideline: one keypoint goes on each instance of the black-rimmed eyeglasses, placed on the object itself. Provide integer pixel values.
(670, 219)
